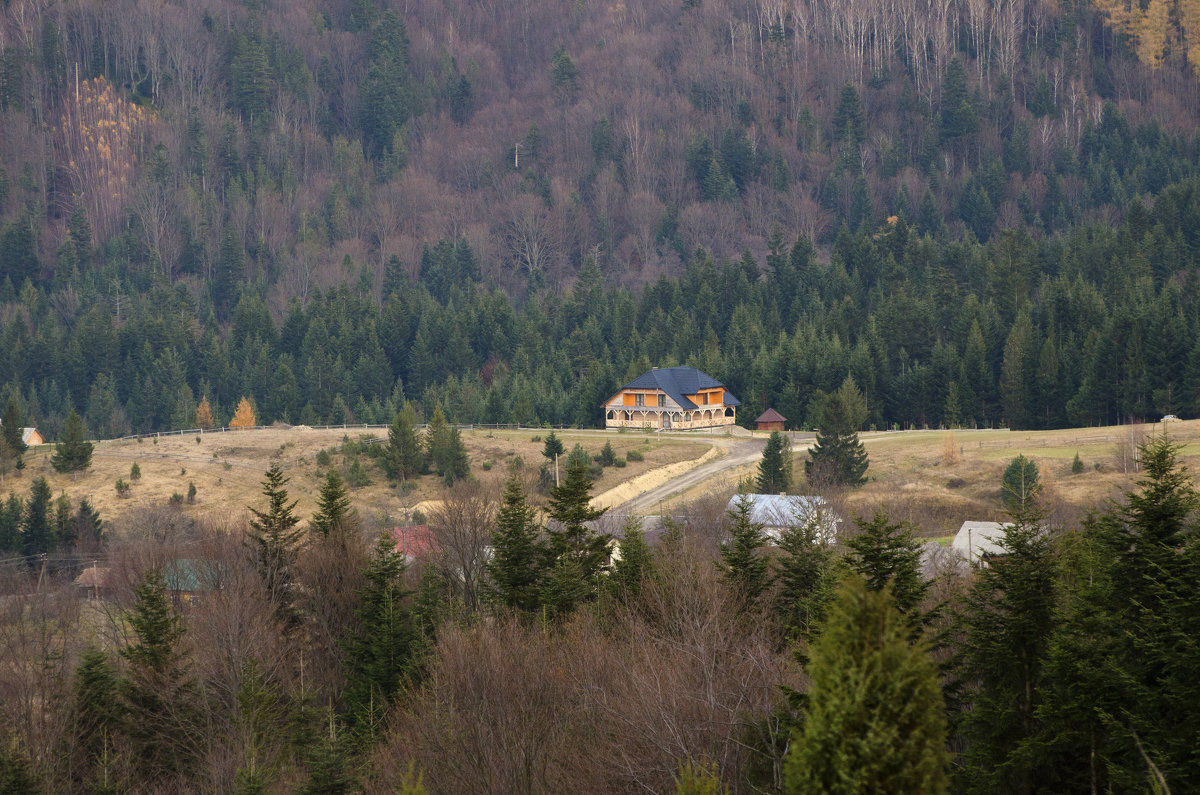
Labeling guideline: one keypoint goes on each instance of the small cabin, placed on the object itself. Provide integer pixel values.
(770, 420)
(32, 437)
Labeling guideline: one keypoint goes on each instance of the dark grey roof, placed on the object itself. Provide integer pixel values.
(680, 381)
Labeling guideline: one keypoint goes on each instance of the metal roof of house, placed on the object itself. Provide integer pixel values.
(771, 415)
(192, 575)
(775, 511)
(678, 382)
(415, 542)
(976, 539)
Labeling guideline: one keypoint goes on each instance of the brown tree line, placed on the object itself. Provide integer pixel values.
(251, 151)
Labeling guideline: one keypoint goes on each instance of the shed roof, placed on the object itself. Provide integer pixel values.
(771, 415)
(678, 382)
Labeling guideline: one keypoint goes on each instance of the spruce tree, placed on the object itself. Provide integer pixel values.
(808, 574)
(8, 459)
(87, 527)
(403, 459)
(383, 651)
(553, 447)
(1126, 659)
(333, 506)
(886, 553)
(98, 713)
(1006, 626)
(11, 511)
(515, 567)
(159, 697)
(775, 468)
(837, 457)
(1019, 485)
(37, 533)
(635, 564)
(575, 554)
(73, 452)
(742, 561)
(875, 717)
(445, 451)
(274, 537)
(11, 426)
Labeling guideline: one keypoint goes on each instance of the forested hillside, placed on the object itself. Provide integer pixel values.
(984, 211)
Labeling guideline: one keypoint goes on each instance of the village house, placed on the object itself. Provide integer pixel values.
(979, 541)
(671, 397)
(32, 437)
(777, 512)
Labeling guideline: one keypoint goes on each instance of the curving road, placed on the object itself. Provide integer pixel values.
(739, 452)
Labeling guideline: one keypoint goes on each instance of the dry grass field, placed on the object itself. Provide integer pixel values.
(936, 479)
(914, 476)
(227, 468)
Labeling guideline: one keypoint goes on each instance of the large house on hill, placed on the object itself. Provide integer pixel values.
(671, 397)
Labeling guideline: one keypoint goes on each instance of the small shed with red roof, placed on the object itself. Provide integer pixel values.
(771, 420)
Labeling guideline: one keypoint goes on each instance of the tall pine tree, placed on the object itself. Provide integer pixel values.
(383, 651)
(274, 537)
(837, 457)
(875, 717)
(515, 568)
(575, 553)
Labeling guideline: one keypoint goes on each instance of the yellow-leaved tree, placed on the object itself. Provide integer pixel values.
(204, 415)
(244, 416)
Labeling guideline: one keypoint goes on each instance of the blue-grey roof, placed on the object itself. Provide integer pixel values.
(680, 381)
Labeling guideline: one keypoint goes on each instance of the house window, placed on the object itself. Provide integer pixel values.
(662, 400)
(641, 400)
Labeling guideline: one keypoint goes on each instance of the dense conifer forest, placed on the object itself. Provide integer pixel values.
(984, 212)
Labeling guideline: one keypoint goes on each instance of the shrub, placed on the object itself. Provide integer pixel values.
(135, 472)
(619, 463)
(579, 456)
(1076, 465)
(324, 459)
(357, 476)
(191, 497)
(486, 466)
(607, 456)
(634, 455)
(122, 488)
(418, 517)
(198, 440)
(595, 471)
(176, 500)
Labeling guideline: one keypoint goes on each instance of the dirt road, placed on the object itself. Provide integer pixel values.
(738, 453)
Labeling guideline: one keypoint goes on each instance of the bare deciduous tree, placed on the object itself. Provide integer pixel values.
(462, 526)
